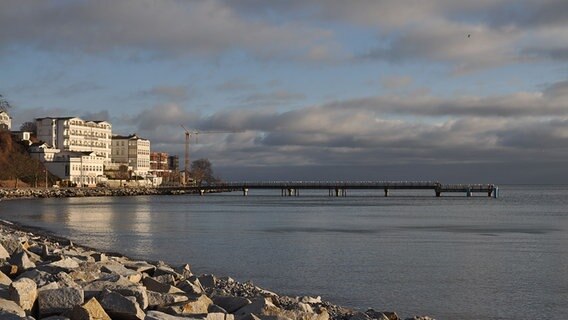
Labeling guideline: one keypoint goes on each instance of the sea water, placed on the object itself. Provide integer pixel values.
(451, 257)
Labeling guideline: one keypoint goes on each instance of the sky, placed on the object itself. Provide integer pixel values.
(450, 90)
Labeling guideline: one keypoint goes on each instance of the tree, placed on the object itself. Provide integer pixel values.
(202, 171)
(122, 173)
(29, 126)
(4, 104)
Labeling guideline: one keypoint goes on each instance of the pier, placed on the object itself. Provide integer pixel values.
(340, 188)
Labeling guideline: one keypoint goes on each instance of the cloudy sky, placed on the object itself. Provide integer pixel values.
(466, 91)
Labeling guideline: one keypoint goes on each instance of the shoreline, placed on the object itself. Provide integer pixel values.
(160, 291)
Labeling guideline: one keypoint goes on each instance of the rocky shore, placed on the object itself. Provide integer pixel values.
(46, 277)
(86, 192)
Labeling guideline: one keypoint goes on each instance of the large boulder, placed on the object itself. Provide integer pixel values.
(158, 299)
(56, 301)
(120, 307)
(231, 304)
(157, 286)
(4, 279)
(41, 278)
(24, 292)
(193, 306)
(260, 307)
(90, 310)
(4, 253)
(138, 292)
(158, 315)
(9, 306)
(116, 268)
(22, 261)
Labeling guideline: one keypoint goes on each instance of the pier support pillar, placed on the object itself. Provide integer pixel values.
(386, 192)
(290, 192)
(468, 193)
(495, 192)
(438, 194)
(245, 192)
(201, 192)
(337, 192)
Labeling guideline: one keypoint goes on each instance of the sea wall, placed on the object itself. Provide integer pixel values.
(83, 192)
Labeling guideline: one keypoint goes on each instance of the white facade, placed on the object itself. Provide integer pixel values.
(5, 120)
(132, 151)
(76, 134)
(80, 168)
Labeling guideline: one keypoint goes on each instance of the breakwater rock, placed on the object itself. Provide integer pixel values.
(85, 192)
(42, 277)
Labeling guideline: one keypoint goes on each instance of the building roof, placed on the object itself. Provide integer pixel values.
(133, 136)
(67, 118)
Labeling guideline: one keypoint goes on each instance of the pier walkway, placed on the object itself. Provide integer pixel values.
(340, 188)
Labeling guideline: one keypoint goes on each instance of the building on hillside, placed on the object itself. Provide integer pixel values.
(159, 164)
(75, 168)
(132, 151)
(23, 136)
(76, 134)
(5, 120)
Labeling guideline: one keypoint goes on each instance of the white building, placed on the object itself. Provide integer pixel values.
(5, 120)
(76, 134)
(79, 168)
(132, 151)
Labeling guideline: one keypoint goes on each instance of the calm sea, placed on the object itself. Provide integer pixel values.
(449, 257)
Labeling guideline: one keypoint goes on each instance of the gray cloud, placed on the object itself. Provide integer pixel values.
(168, 93)
(396, 82)
(164, 28)
(271, 98)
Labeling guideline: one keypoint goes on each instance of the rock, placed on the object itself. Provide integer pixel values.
(391, 315)
(165, 270)
(22, 261)
(4, 315)
(219, 316)
(65, 264)
(188, 287)
(158, 315)
(193, 306)
(158, 299)
(90, 310)
(207, 280)
(54, 301)
(420, 318)
(11, 245)
(24, 293)
(8, 306)
(260, 307)
(184, 270)
(4, 279)
(154, 285)
(41, 278)
(305, 307)
(138, 292)
(231, 304)
(307, 299)
(4, 253)
(95, 287)
(140, 266)
(56, 318)
(9, 269)
(165, 279)
(378, 315)
(99, 257)
(120, 307)
(122, 271)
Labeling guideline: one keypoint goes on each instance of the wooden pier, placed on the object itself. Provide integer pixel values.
(340, 188)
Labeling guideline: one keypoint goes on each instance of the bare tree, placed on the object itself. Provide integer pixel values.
(4, 104)
(29, 126)
(202, 171)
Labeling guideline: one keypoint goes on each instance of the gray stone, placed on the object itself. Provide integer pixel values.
(99, 257)
(122, 271)
(9, 306)
(193, 306)
(54, 301)
(158, 315)
(24, 293)
(165, 279)
(90, 310)
(231, 304)
(66, 264)
(189, 287)
(207, 281)
(11, 245)
(120, 307)
(22, 261)
(95, 287)
(157, 286)
(215, 308)
(163, 270)
(138, 292)
(41, 278)
(140, 266)
(4, 253)
(4, 279)
(158, 299)
(4, 315)
(184, 270)
(56, 318)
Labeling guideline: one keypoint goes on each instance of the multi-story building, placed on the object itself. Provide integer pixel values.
(173, 163)
(76, 134)
(5, 120)
(76, 168)
(159, 164)
(132, 151)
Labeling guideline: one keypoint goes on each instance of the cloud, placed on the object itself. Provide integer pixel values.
(146, 28)
(396, 82)
(168, 93)
(273, 98)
